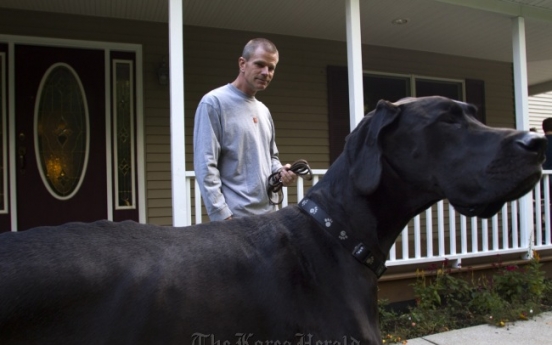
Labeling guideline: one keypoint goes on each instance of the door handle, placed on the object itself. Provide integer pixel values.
(21, 153)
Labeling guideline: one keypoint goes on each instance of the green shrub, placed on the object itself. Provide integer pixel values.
(445, 301)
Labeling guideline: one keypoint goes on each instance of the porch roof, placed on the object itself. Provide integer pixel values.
(471, 28)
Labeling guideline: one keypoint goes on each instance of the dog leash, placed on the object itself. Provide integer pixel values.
(299, 167)
(358, 249)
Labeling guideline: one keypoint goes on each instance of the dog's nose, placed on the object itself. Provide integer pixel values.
(534, 142)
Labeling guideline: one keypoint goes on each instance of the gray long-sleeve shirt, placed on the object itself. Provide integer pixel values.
(234, 153)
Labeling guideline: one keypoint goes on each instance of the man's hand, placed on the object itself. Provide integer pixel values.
(287, 176)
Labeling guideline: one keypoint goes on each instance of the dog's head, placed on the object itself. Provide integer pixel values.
(437, 146)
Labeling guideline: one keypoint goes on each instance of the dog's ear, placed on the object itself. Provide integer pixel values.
(363, 146)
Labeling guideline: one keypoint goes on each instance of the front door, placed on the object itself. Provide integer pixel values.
(60, 135)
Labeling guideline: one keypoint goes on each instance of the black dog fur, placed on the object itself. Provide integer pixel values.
(278, 277)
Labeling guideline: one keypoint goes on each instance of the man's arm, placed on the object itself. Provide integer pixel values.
(207, 149)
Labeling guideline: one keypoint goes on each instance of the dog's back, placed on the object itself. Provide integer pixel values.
(127, 283)
(81, 279)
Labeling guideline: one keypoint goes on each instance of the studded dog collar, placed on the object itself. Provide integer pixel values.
(358, 249)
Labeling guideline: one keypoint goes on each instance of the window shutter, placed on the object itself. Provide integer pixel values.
(475, 94)
(338, 109)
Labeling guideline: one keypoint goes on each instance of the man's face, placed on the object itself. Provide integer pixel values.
(258, 70)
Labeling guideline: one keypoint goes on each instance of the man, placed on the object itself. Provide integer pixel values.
(234, 140)
(547, 128)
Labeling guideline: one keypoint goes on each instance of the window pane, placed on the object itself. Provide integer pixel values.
(450, 89)
(389, 88)
(2, 116)
(124, 141)
(61, 131)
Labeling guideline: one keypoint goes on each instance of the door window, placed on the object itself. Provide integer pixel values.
(123, 95)
(3, 156)
(61, 131)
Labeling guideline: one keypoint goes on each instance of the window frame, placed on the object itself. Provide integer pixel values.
(414, 77)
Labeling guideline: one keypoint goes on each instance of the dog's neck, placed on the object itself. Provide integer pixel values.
(361, 213)
(408, 202)
(342, 205)
(367, 254)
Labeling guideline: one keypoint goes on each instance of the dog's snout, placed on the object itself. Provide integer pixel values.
(533, 142)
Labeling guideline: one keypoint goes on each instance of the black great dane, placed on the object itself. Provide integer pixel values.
(306, 274)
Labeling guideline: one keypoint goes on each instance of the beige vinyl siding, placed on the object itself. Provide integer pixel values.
(540, 107)
(297, 96)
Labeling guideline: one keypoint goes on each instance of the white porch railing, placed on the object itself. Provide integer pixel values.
(440, 233)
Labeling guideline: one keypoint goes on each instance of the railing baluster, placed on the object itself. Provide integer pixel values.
(474, 235)
(495, 233)
(464, 234)
(300, 189)
(538, 215)
(505, 227)
(441, 227)
(485, 235)
(547, 227)
(197, 206)
(452, 229)
(392, 252)
(405, 244)
(188, 184)
(429, 232)
(515, 224)
(417, 238)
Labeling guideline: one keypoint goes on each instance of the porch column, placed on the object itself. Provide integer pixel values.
(178, 155)
(522, 121)
(354, 62)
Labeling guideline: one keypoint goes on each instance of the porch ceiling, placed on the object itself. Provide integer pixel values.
(471, 28)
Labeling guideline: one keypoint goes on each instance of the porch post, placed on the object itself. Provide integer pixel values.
(522, 123)
(354, 62)
(178, 154)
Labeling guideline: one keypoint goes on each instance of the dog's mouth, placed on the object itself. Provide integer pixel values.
(487, 210)
(483, 211)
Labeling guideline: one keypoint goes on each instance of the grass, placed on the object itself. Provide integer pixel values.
(445, 301)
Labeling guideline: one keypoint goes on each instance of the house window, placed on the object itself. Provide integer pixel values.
(387, 87)
(390, 87)
(394, 87)
(435, 87)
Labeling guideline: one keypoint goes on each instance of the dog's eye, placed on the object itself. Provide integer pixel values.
(449, 118)
(452, 120)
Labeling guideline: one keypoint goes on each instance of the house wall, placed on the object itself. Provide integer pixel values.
(540, 107)
(297, 96)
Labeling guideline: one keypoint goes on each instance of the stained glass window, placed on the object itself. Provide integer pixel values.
(61, 131)
(2, 132)
(124, 133)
